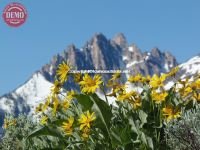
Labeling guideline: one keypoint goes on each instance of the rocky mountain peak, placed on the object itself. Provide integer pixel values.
(98, 38)
(155, 52)
(120, 40)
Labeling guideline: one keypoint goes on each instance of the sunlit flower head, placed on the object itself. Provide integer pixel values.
(136, 78)
(170, 113)
(39, 108)
(158, 97)
(146, 79)
(43, 120)
(136, 102)
(56, 103)
(115, 76)
(185, 91)
(196, 85)
(85, 133)
(86, 120)
(196, 96)
(89, 84)
(9, 122)
(5, 124)
(77, 77)
(46, 104)
(62, 71)
(157, 81)
(67, 126)
(55, 89)
(65, 104)
(117, 88)
(173, 72)
(126, 95)
(70, 95)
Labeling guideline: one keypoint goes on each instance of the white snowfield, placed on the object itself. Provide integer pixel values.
(34, 91)
(191, 67)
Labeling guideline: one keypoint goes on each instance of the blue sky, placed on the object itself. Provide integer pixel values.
(172, 25)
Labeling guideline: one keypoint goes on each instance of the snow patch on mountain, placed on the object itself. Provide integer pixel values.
(166, 67)
(133, 63)
(191, 67)
(131, 49)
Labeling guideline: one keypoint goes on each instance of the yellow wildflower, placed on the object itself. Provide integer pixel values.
(136, 103)
(55, 105)
(46, 104)
(197, 82)
(62, 71)
(89, 84)
(43, 120)
(55, 89)
(146, 79)
(196, 96)
(9, 122)
(13, 122)
(126, 95)
(65, 104)
(156, 81)
(39, 108)
(85, 120)
(77, 77)
(6, 124)
(67, 126)
(119, 88)
(70, 95)
(85, 133)
(196, 85)
(170, 113)
(137, 78)
(173, 72)
(115, 76)
(185, 91)
(116, 87)
(158, 97)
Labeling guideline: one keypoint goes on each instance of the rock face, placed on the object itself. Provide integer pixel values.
(98, 53)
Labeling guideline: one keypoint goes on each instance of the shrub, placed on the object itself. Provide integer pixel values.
(185, 134)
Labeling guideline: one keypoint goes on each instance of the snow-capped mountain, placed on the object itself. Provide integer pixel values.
(98, 53)
(25, 97)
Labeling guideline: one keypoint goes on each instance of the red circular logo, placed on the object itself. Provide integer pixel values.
(14, 14)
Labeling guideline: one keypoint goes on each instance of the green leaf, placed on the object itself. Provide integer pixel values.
(85, 101)
(116, 140)
(133, 126)
(103, 113)
(189, 105)
(143, 117)
(143, 138)
(150, 142)
(125, 135)
(45, 131)
(121, 136)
